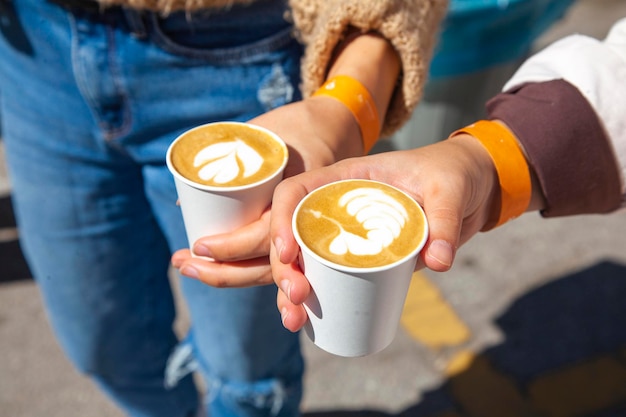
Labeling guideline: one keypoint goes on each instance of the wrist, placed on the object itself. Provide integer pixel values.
(483, 169)
(511, 166)
(370, 59)
(374, 65)
(357, 99)
(537, 199)
(479, 167)
(336, 126)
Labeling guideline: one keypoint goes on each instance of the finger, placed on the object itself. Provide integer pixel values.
(287, 195)
(290, 279)
(241, 274)
(179, 257)
(293, 316)
(248, 242)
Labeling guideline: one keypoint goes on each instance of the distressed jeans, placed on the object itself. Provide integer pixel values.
(90, 102)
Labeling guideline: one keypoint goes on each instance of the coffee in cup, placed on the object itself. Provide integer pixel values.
(225, 174)
(227, 154)
(359, 241)
(360, 224)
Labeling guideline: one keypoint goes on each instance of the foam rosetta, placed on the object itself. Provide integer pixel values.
(360, 223)
(379, 214)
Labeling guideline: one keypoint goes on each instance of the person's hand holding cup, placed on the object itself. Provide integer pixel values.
(359, 241)
(225, 174)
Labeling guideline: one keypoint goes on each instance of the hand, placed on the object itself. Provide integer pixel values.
(453, 180)
(318, 132)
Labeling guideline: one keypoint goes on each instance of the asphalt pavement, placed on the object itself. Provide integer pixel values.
(530, 322)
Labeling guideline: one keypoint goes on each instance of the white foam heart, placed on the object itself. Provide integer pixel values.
(225, 161)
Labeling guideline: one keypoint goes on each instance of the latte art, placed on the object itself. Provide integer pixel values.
(225, 161)
(227, 155)
(379, 214)
(225, 174)
(360, 223)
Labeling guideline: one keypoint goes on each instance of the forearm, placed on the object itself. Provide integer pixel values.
(371, 61)
(410, 26)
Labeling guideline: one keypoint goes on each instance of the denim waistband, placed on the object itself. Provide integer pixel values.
(269, 7)
(90, 6)
(269, 12)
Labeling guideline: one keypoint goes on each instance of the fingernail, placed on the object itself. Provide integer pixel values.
(441, 251)
(201, 250)
(285, 286)
(283, 315)
(189, 271)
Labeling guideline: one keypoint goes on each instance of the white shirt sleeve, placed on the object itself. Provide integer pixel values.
(598, 69)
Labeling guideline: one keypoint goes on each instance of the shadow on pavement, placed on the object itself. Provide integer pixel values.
(13, 267)
(563, 355)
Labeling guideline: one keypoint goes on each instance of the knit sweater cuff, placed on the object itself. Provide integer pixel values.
(565, 144)
(410, 26)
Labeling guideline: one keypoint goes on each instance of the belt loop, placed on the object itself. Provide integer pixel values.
(136, 23)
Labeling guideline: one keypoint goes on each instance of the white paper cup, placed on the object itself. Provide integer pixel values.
(354, 311)
(209, 210)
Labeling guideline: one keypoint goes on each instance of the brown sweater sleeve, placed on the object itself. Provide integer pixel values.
(410, 25)
(565, 144)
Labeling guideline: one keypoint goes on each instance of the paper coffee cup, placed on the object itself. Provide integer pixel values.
(225, 174)
(359, 242)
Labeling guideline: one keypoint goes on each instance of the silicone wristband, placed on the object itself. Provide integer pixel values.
(511, 166)
(359, 101)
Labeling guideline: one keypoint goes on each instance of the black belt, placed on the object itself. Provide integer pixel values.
(134, 20)
(90, 6)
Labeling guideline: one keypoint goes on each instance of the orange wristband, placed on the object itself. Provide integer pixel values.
(511, 166)
(359, 101)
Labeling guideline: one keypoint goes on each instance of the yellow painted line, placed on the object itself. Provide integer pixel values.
(429, 319)
(586, 387)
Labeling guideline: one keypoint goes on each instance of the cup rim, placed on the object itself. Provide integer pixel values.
(353, 269)
(228, 189)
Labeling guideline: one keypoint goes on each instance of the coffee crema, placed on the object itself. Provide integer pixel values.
(360, 223)
(227, 155)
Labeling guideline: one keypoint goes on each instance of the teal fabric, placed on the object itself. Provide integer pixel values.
(477, 34)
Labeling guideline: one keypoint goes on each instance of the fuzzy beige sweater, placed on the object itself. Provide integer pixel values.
(410, 25)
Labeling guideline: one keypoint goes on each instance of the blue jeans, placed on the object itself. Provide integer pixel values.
(90, 103)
